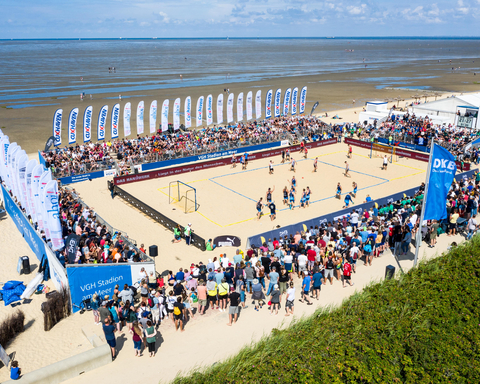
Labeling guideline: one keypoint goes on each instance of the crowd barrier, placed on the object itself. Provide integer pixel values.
(401, 144)
(401, 152)
(278, 233)
(87, 279)
(120, 180)
(35, 242)
(197, 241)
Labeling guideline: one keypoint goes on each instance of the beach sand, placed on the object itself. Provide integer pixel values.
(206, 339)
(32, 126)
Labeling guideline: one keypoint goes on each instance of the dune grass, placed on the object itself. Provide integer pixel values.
(421, 328)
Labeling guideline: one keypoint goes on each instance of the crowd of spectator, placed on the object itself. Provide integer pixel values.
(282, 272)
(125, 153)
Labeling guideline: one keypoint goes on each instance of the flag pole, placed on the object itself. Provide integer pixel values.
(418, 239)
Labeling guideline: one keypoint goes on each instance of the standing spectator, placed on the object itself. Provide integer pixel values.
(188, 233)
(94, 304)
(234, 298)
(347, 273)
(178, 314)
(104, 312)
(317, 284)
(290, 303)
(202, 297)
(150, 337)
(137, 339)
(109, 331)
(275, 299)
(212, 292)
(273, 277)
(306, 288)
(258, 296)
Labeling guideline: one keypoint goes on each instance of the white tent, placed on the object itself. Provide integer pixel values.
(374, 110)
(459, 110)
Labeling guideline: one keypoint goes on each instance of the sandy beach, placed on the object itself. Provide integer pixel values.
(334, 92)
(208, 339)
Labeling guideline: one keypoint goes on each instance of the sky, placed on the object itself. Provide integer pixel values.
(237, 18)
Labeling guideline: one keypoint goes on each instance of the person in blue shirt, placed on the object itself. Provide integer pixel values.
(368, 199)
(307, 280)
(364, 234)
(317, 284)
(180, 276)
(15, 371)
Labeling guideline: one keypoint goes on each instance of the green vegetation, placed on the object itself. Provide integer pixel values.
(421, 328)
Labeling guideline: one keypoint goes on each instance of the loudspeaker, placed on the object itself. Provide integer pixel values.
(25, 265)
(153, 250)
(389, 272)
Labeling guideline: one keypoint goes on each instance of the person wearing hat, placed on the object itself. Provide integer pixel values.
(234, 299)
(274, 300)
(258, 296)
(188, 233)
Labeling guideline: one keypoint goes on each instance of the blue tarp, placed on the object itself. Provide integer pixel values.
(11, 291)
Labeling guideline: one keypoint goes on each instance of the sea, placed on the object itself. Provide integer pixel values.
(33, 69)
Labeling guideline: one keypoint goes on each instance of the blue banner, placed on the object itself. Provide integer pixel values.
(24, 227)
(82, 177)
(208, 156)
(84, 281)
(442, 172)
(292, 229)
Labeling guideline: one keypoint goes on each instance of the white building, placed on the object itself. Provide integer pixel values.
(374, 110)
(461, 111)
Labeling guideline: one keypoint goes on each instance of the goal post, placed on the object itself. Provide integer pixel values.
(380, 150)
(183, 196)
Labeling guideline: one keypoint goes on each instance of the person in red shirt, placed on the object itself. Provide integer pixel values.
(347, 273)
(311, 256)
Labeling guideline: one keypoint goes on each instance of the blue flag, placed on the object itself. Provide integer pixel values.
(442, 172)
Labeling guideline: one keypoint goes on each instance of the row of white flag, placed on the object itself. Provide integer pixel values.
(33, 187)
(290, 99)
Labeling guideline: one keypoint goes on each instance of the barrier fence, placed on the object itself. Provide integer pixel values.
(281, 232)
(120, 180)
(163, 220)
(402, 152)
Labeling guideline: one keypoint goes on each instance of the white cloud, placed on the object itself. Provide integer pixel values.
(166, 19)
(355, 10)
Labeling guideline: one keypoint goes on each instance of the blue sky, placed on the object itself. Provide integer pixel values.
(237, 18)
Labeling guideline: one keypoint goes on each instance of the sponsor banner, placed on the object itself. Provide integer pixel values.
(71, 247)
(140, 111)
(200, 111)
(209, 109)
(23, 225)
(278, 95)
(195, 165)
(102, 122)
(4, 144)
(188, 112)
(165, 106)
(286, 101)
(294, 101)
(249, 106)
(28, 180)
(314, 107)
(153, 116)
(57, 127)
(442, 172)
(258, 104)
(176, 114)
(292, 229)
(37, 172)
(268, 104)
(44, 179)
(227, 241)
(49, 143)
(87, 124)
(401, 152)
(85, 280)
(12, 149)
(127, 112)
(220, 109)
(303, 100)
(83, 177)
(230, 108)
(110, 173)
(115, 119)
(240, 107)
(22, 182)
(53, 215)
(72, 126)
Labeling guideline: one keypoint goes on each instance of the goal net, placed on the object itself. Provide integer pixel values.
(380, 150)
(183, 196)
